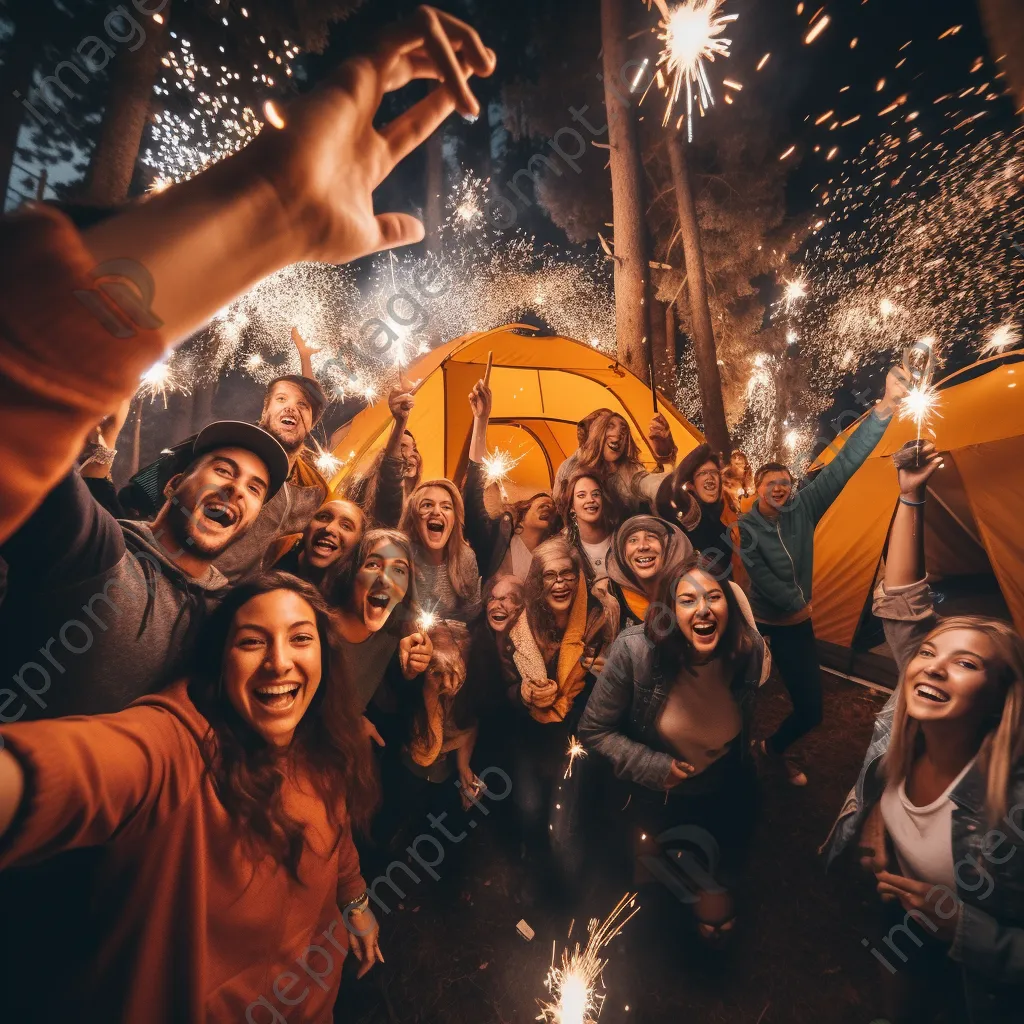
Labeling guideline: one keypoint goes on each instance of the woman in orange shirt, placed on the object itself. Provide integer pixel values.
(228, 885)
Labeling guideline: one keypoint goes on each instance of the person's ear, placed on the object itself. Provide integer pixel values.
(172, 485)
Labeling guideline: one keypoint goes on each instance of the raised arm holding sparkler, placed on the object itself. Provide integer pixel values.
(306, 352)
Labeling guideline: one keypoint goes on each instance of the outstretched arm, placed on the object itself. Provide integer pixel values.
(156, 271)
(819, 494)
(904, 563)
(306, 353)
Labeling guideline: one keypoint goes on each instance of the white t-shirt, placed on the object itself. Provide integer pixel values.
(923, 836)
(597, 556)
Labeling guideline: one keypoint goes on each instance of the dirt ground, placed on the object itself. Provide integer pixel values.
(453, 955)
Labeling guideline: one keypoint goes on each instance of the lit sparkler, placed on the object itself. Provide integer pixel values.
(1002, 337)
(158, 380)
(575, 752)
(497, 466)
(573, 981)
(919, 406)
(692, 37)
(795, 291)
(426, 621)
(327, 463)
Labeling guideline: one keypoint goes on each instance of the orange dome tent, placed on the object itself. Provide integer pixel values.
(972, 519)
(541, 385)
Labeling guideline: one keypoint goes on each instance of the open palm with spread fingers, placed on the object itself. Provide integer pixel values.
(326, 162)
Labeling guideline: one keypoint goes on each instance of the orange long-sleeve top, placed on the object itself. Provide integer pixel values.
(192, 929)
(61, 367)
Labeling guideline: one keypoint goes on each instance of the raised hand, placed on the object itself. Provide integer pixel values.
(480, 401)
(414, 654)
(897, 386)
(329, 158)
(660, 435)
(916, 462)
(401, 403)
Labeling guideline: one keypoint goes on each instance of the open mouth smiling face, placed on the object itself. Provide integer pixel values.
(701, 612)
(288, 414)
(615, 440)
(949, 675)
(504, 606)
(708, 482)
(560, 579)
(272, 664)
(588, 500)
(643, 551)
(380, 585)
(332, 533)
(436, 517)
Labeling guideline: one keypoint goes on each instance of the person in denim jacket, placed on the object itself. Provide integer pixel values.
(671, 712)
(939, 804)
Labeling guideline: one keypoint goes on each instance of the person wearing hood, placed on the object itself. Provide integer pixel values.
(332, 536)
(777, 548)
(221, 812)
(671, 712)
(695, 497)
(100, 612)
(608, 452)
(444, 563)
(643, 550)
(503, 543)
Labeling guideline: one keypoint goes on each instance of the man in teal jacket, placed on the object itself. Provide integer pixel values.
(777, 548)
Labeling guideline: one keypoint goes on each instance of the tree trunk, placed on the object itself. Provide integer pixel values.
(23, 49)
(656, 326)
(1004, 26)
(433, 208)
(129, 98)
(671, 355)
(705, 353)
(631, 271)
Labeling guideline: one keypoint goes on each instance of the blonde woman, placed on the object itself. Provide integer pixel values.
(939, 805)
(556, 644)
(447, 576)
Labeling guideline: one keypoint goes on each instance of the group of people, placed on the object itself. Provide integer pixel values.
(225, 683)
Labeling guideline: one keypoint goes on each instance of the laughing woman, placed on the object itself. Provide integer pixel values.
(378, 640)
(555, 643)
(223, 810)
(445, 566)
(644, 549)
(608, 452)
(938, 805)
(590, 524)
(671, 711)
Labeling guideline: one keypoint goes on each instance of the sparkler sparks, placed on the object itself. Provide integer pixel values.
(327, 463)
(795, 291)
(692, 37)
(158, 380)
(919, 406)
(575, 752)
(1002, 337)
(426, 621)
(573, 981)
(497, 466)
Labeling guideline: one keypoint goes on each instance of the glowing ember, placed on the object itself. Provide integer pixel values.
(691, 33)
(1003, 337)
(575, 752)
(795, 291)
(572, 983)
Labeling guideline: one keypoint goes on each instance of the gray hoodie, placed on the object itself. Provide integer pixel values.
(96, 614)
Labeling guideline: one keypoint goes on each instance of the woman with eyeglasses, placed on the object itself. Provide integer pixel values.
(556, 645)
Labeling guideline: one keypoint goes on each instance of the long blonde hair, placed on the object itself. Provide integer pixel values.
(1002, 747)
(463, 573)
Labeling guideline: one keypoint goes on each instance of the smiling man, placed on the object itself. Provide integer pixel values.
(292, 406)
(100, 611)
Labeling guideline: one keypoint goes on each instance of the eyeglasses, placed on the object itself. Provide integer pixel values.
(706, 474)
(568, 576)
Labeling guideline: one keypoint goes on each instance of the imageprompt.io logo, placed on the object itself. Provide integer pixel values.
(122, 298)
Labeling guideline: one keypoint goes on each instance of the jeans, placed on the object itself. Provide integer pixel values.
(795, 654)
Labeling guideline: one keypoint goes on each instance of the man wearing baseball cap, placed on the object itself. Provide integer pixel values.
(99, 611)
